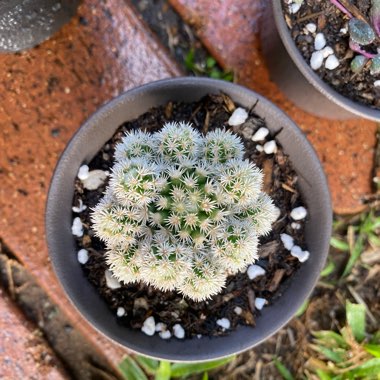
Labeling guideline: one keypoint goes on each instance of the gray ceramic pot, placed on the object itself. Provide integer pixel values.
(26, 23)
(87, 142)
(295, 77)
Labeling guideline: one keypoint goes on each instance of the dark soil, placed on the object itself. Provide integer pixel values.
(329, 20)
(141, 301)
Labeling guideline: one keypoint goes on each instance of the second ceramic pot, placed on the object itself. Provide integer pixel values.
(99, 129)
(295, 77)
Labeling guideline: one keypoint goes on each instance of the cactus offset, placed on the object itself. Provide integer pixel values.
(182, 211)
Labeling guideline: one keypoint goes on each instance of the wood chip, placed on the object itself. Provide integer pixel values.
(251, 299)
(230, 106)
(169, 110)
(278, 275)
(268, 249)
(206, 123)
(288, 188)
(267, 171)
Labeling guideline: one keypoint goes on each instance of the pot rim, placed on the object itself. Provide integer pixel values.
(324, 88)
(188, 350)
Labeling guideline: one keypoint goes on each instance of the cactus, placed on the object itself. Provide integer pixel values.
(363, 33)
(182, 211)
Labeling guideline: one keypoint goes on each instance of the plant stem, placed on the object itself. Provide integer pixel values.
(341, 7)
(354, 11)
(349, 9)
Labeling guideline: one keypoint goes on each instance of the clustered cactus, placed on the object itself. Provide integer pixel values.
(182, 211)
(364, 35)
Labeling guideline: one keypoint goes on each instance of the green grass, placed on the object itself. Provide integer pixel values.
(208, 67)
(142, 368)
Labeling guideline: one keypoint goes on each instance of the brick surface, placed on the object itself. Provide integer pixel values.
(229, 28)
(24, 353)
(45, 95)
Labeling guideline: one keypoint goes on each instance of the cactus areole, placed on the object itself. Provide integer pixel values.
(182, 211)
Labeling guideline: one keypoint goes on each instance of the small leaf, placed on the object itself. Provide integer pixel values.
(330, 338)
(210, 62)
(329, 268)
(131, 370)
(339, 244)
(332, 355)
(187, 369)
(190, 60)
(374, 240)
(361, 32)
(354, 255)
(163, 371)
(284, 372)
(215, 73)
(150, 366)
(355, 314)
(302, 309)
(323, 375)
(358, 63)
(367, 370)
(373, 349)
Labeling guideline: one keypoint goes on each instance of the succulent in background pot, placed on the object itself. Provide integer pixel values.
(27, 23)
(318, 63)
(181, 211)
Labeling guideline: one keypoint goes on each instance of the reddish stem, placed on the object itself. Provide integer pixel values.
(356, 47)
(341, 7)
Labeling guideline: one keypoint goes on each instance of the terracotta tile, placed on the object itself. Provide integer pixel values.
(24, 353)
(45, 95)
(229, 29)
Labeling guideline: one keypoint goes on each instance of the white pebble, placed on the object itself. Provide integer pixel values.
(376, 83)
(94, 179)
(165, 334)
(259, 148)
(295, 226)
(149, 326)
(302, 256)
(80, 208)
(298, 213)
(311, 27)
(288, 241)
(83, 172)
(238, 310)
(270, 147)
(160, 326)
(178, 331)
(316, 60)
(239, 116)
(276, 212)
(294, 8)
(120, 311)
(77, 227)
(260, 134)
(327, 51)
(111, 281)
(82, 256)
(343, 30)
(295, 251)
(259, 303)
(224, 323)
(199, 336)
(332, 62)
(255, 271)
(320, 41)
